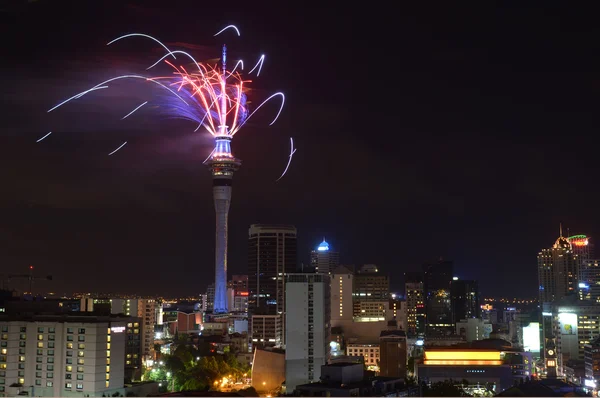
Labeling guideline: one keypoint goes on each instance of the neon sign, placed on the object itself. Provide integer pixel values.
(578, 240)
(117, 329)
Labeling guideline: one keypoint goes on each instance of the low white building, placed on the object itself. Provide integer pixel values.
(60, 355)
(370, 353)
(473, 329)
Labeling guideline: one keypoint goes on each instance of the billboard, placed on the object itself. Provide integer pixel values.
(568, 323)
(531, 337)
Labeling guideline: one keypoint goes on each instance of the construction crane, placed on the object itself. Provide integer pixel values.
(29, 276)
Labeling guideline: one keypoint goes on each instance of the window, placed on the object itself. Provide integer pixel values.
(40, 330)
(40, 351)
(51, 344)
(107, 384)
(51, 337)
(80, 368)
(40, 344)
(69, 361)
(80, 338)
(80, 361)
(81, 346)
(50, 352)
(49, 375)
(38, 366)
(80, 354)
(4, 337)
(21, 381)
(21, 351)
(68, 376)
(69, 353)
(51, 330)
(82, 331)
(4, 344)
(70, 330)
(69, 338)
(70, 345)
(50, 367)
(23, 329)
(80, 386)
(21, 344)
(68, 384)
(4, 328)
(21, 366)
(38, 382)
(23, 336)
(50, 360)
(48, 384)
(38, 375)
(21, 373)
(40, 337)
(79, 376)
(69, 368)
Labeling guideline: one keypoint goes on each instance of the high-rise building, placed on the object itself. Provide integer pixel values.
(465, 299)
(323, 260)
(437, 279)
(557, 271)
(272, 253)
(371, 294)
(239, 283)
(342, 281)
(210, 297)
(62, 355)
(145, 309)
(307, 327)
(589, 280)
(415, 305)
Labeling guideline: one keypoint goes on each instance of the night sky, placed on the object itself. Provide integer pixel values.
(464, 133)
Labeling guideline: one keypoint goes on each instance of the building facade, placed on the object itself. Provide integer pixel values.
(437, 280)
(465, 299)
(342, 282)
(307, 327)
(415, 305)
(324, 260)
(557, 271)
(272, 253)
(62, 355)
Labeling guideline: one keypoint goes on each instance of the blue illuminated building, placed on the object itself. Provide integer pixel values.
(324, 260)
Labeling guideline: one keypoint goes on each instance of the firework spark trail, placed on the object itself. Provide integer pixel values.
(98, 86)
(143, 35)
(292, 152)
(44, 137)
(77, 96)
(259, 64)
(122, 145)
(228, 27)
(258, 107)
(133, 111)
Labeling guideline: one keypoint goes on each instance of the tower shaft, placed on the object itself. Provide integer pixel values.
(222, 199)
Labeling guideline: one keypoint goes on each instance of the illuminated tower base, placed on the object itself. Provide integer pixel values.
(222, 165)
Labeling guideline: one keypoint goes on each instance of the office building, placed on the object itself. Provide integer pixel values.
(557, 271)
(464, 299)
(371, 294)
(239, 283)
(589, 280)
(307, 327)
(62, 355)
(437, 279)
(324, 260)
(272, 253)
(415, 305)
(342, 281)
(592, 361)
(267, 331)
(145, 309)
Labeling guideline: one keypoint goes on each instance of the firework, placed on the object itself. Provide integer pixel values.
(209, 95)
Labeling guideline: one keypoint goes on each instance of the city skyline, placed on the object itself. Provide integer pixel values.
(464, 169)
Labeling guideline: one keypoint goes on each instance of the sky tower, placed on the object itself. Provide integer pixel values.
(222, 165)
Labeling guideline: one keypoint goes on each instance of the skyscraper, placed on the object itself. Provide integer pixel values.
(415, 305)
(307, 328)
(557, 271)
(464, 299)
(371, 294)
(437, 279)
(324, 260)
(342, 281)
(272, 253)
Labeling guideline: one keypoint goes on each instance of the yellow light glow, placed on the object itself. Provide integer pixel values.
(468, 362)
(462, 355)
